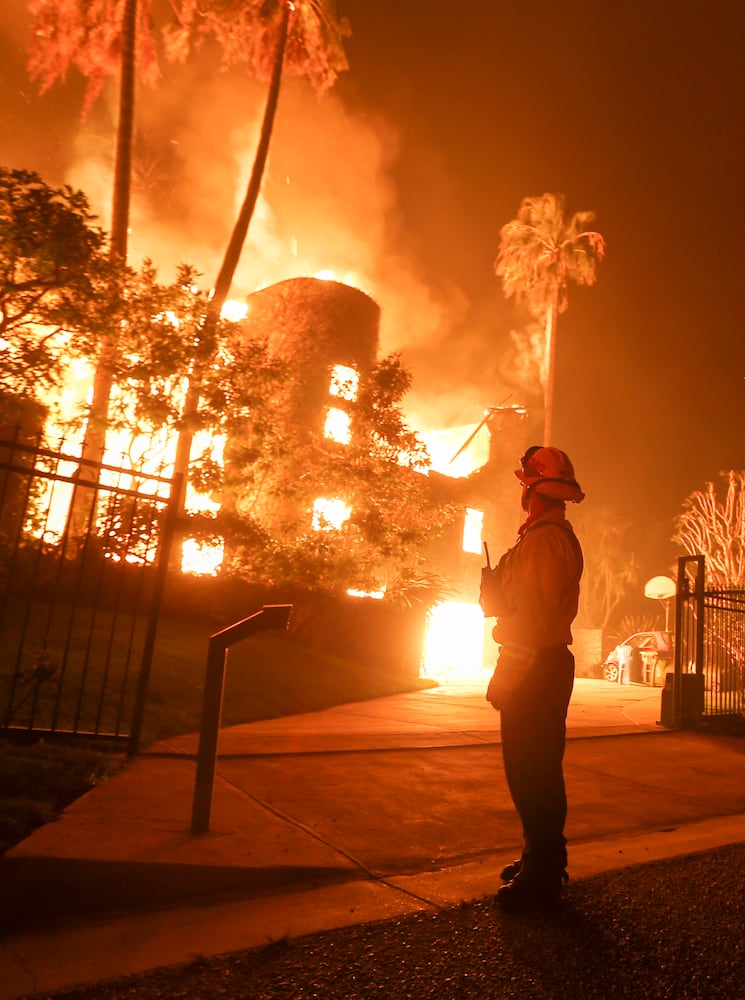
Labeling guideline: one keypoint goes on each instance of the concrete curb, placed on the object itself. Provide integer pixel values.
(75, 953)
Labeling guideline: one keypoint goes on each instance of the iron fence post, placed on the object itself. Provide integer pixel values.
(271, 616)
(166, 541)
(689, 640)
(682, 594)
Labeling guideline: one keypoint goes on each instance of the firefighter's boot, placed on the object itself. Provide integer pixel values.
(535, 885)
(513, 868)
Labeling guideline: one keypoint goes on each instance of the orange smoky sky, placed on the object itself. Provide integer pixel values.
(404, 174)
(328, 202)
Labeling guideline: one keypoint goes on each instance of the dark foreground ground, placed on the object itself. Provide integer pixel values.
(674, 929)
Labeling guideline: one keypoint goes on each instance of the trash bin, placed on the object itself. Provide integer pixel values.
(649, 665)
(625, 656)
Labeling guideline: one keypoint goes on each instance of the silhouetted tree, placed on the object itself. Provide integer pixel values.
(53, 274)
(377, 474)
(611, 569)
(715, 528)
(164, 349)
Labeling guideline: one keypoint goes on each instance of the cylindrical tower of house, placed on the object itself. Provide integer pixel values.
(326, 333)
(317, 327)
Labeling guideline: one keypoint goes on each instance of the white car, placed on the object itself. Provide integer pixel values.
(647, 656)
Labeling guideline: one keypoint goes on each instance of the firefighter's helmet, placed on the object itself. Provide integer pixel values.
(550, 473)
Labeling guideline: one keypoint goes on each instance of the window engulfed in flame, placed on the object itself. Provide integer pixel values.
(473, 526)
(337, 426)
(329, 515)
(345, 382)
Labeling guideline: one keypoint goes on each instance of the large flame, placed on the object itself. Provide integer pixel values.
(455, 646)
(330, 514)
(151, 454)
(446, 456)
(456, 638)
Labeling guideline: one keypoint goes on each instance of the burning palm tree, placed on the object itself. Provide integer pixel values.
(304, 37)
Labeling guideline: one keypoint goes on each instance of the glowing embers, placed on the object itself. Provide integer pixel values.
(330, 515)
(473, 525)
(338, 426)
(454, 643)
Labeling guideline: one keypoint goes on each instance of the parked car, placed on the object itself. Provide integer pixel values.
(649, 656)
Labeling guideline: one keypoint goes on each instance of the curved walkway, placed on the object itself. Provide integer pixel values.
(354, 814)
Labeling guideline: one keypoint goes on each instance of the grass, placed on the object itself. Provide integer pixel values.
(267, 676)
(37, 781)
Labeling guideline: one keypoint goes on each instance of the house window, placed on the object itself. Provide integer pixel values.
(473, 526)
(337, 426)
(344, 383)
(329, 515)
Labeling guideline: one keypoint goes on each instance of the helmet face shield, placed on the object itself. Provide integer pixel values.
(550, 473)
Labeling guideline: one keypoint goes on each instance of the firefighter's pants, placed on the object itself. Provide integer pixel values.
(533, 738)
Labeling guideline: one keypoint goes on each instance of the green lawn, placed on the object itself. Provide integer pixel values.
(267, 676)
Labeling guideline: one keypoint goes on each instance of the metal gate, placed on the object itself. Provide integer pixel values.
(709, 648)
(83, 557)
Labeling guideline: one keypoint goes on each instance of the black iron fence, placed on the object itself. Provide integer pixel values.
(709, 678)
(83, 556)
(724, 652)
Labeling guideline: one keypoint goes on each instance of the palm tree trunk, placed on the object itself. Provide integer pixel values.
(238, 238)
(95, 436)
(548, 419)
(235, 246)
(125, 132)
(94, 440)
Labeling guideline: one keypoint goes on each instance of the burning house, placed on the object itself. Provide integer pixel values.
(327, 334)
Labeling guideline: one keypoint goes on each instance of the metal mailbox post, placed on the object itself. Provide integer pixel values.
(271, 616)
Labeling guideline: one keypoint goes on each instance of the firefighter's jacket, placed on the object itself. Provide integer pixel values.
(539, 586)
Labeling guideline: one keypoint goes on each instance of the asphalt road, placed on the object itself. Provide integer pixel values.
(672, 929)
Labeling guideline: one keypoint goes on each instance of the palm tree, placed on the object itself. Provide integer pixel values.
(112, 42)
(305, 38)
(539, 254)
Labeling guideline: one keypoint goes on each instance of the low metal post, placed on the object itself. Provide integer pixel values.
(271, 616)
